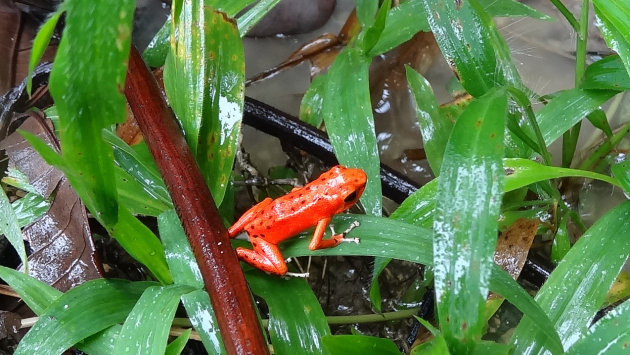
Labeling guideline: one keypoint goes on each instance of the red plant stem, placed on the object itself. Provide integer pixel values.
(195, 207)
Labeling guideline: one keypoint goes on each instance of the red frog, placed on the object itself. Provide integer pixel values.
(273, 221)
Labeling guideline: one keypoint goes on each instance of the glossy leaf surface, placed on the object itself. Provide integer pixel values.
(465, 223)
(607, 73)
(10, 228)
(185, 270)
(577, 287)
(359, 344)
(296, 320)
(348, 116)
(435, 128)
(36, 294)
(86, 109)
(615, 26)
(81, 312)
(204, 80)
(146, 328)
(610, 335)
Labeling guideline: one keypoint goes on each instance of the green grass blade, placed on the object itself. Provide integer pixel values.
(348, 116)
(135, 198)
(138, 162)
(157, 50)
(615, 26)
(622, 172)
(523, 172)
(140, 242)
(467, 207)
(568, 108)
(359, 344)
(81, 312)
(177, 346)
(185, 270)
(37, 295)
(403, 22)
(511, 8)
(610, 335)
(578, 286)
(40, 43)
(30, 208)
(608, 73)
(434, 127)
(145, 330)
(471, 44)
(11, 229)
(250, 18)
(296, 319)
(94, 49)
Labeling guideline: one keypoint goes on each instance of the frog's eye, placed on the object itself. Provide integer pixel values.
(350, 198)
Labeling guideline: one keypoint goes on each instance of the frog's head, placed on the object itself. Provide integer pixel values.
(350, 184)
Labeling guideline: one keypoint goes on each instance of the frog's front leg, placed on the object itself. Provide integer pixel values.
(317, 242)
(247, 217)
(265, 256)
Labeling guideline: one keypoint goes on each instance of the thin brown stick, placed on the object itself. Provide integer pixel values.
(195, 207)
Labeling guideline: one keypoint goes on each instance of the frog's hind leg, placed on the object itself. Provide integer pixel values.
(318, 241)
(265, 256)
(247, 217)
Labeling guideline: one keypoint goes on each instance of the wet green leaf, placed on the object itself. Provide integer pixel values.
(608, 73)
(388, 238)
(615, 24)
(435, 128)
(577, 287)
(37, 295)
(359, 344)
(296, 320)
(471, 45)
(347, 112)
(366, 9)
(84, 108)
(622, 172)
(10, 228)
(81, 312)
(185, 270)
(135, 198)
(523, 172)
(157, 50)
(177, 346)
(610, 335)
(370, 35)
(568, 108)
(140, 242)
(403, 22)
(138, 162)
(30, 208)
(146, 328)
(511, 8)
(313, 102)
(40, 43)
(465, 224)
(599, 120)
(204, 80)
(250, 18)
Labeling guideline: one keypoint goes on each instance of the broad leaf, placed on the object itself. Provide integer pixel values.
(465, 224)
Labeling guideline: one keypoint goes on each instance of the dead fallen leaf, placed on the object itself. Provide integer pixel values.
(63, 254)
(514, 244)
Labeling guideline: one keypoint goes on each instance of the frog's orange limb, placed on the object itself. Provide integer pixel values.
(317, 242)
(265, 256)
(247, 217)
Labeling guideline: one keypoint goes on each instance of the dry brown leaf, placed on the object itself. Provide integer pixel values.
(63, 254)
(514, 244)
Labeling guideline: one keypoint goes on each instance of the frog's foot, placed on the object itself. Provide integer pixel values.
(297, 274)
(352, 226)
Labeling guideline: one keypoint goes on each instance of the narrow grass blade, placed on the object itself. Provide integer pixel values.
(81, 312)
(145, 330)
(578, 286)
